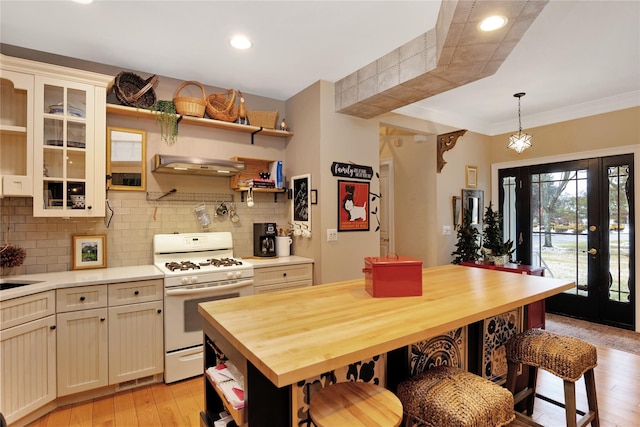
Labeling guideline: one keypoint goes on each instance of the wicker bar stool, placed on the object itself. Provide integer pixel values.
(448, 396)
(354, 404)
(566, 357)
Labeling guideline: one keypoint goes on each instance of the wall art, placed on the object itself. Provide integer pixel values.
(89, 251)
(353, 214)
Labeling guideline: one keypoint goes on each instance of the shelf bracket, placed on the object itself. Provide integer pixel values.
(255, 132)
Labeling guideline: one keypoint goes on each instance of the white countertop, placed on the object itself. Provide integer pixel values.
(276, 261)
(66, 279)
(99, 276)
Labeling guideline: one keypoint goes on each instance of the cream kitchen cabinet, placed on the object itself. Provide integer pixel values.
(82, 348)
(16, 133)
(135, 330)
(68, 123)
(28, 354)
(281, 277)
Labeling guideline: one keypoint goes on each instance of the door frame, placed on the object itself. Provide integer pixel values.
(579, 155)
(389, 164)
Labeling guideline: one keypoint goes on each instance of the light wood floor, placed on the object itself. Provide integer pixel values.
(179, 404)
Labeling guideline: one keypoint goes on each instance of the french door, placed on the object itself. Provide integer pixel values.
(576, 220)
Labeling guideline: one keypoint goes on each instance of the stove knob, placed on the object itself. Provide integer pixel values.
(184, 280)
(194, 279)
(238, 274)
(230, 275)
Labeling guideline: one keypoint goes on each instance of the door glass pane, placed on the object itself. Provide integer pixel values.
(76, 135)
(53, 166)
(53, 99)
(559, 220)
(76, 196)
(619, 234)
(509, 213)
(76, 164)
(54, 197)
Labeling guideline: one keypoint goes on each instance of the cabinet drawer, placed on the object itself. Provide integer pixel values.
(15, 185)
(282, 286)
(81, 298)
(285, 274)
(25, 309)
(135, 292)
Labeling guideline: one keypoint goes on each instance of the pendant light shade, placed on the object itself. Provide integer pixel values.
(520, 141)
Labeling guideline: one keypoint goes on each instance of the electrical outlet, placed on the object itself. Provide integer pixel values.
(446, 230)
(332, 234)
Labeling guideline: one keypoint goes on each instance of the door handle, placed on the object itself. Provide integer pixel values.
(592, 251)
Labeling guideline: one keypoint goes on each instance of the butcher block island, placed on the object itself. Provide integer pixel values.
(277, 340)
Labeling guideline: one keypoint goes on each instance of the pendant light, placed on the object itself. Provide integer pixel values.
(520, 141)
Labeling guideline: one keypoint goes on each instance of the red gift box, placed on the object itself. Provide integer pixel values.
(393, 276)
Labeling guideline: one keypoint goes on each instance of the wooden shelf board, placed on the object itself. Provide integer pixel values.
(12, 130)
(261, 190)
(123, 110)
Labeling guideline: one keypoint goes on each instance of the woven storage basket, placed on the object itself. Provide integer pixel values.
(221, 106)
(132, 90)
(265, 119)
(188, 105)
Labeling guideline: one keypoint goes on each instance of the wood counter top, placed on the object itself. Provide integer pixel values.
(297, 334)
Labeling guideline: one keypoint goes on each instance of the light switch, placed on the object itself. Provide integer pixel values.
(332, 234)
(446, 230)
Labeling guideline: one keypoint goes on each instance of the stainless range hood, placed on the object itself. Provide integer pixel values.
(167, 163)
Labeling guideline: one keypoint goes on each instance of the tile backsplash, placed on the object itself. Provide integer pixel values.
(130, 230)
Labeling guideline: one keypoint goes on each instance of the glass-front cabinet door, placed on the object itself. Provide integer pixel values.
(69, 154)
(16, 134)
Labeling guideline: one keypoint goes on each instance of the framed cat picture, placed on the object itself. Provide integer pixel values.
(353, 213)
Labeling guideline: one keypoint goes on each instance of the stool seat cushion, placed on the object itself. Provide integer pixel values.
(566, 357)
(448, 396)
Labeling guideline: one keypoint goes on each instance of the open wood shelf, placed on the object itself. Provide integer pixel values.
(123, 110)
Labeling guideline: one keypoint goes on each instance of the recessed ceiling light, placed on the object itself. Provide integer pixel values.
(83, 1)
(493, 23)
(240, 42)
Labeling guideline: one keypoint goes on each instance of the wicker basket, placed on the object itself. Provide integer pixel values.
(265, 119)
(221, 106)
(188, 105)
(132, 90)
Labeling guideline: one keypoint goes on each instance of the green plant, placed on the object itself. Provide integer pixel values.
(167, 117)
(468, 244)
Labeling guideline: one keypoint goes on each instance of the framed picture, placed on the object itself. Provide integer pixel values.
(89, 251)
(314, 197)
(301, 206)
(353, 213)
(471, 176)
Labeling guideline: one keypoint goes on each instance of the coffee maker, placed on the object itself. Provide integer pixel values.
(264, 239)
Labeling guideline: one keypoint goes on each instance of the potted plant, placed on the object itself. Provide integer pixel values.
(493, 243)
(468, 244)
(167, 119)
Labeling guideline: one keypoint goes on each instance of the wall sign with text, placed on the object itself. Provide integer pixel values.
(349, 170)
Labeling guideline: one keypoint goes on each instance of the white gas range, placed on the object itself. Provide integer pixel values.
(198, 267)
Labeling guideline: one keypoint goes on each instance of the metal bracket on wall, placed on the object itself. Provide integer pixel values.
(175, 196)
(255, 132)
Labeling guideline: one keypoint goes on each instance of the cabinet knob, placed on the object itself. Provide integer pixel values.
(88, 207)
(159, 310)
(284, 274)
(52, 327)
(102, 319)
(136, 292)
(82, 298)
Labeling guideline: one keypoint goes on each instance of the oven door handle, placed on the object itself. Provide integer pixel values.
(209, 289)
